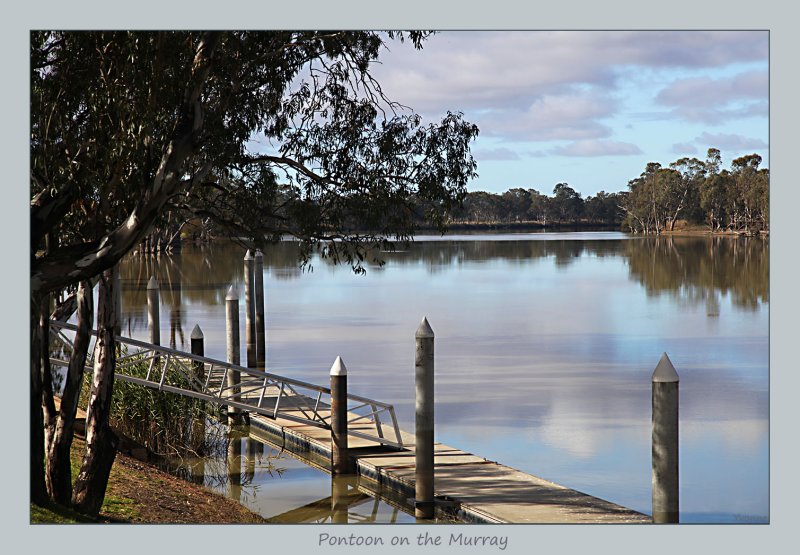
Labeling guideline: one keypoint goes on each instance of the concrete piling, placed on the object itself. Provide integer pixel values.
(153, 308)
(233, 343)
(258, 285)
(665, 442)
(424, 503)
(249, 310)
(340, 459)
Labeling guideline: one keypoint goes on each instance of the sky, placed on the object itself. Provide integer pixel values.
(589, 108)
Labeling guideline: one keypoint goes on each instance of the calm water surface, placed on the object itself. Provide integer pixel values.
(281, 488)
(545, 344)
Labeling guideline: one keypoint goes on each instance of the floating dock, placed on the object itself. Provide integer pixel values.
(467, 486)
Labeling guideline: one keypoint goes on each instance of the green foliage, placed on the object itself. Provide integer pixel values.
(56, 514)
(566, 206)
(735, 200)
(269, 133)
(165, 423)
(263, 133)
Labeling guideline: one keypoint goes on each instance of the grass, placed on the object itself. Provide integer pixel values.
(57, 515)
(114, 508)
(140, 493)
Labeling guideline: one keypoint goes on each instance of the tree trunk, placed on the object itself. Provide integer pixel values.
(66, 265)
(67, 307)
(48, 403)
(38, 487)
(58, 471)
(101, 442)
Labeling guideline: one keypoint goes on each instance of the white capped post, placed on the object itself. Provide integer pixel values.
(665, 442)
(233, 343)
(424, 486)
(340, 458)
(153, 308)
(198, 348)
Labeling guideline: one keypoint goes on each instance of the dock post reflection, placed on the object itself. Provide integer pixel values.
(251, 454)
(176, 300)
(249, 310)
(258, 285)
(234, 465)
(340, 498)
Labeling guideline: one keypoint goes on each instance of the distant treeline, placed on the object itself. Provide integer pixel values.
(518, 205)
(691, 190)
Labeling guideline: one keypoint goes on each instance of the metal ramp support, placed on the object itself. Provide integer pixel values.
(263, 393)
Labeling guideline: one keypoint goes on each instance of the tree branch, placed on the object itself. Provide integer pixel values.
(74, 263)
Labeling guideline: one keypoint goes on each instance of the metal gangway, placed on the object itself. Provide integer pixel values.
(258, 392)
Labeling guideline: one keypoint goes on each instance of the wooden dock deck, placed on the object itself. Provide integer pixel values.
(466, 485)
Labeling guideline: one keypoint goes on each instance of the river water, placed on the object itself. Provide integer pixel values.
(545, 344)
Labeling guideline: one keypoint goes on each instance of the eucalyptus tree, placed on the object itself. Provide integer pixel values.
(518, 202)
(603, 208)
(540, 208)
(685, 196)
(642, 200)
(715, 194)
(659, 196)
(751, 188)
(265, 132)
(567, 203)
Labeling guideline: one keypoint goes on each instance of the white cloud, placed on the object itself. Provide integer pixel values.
(574, 92)
(730, 142)
(510, 69)
(495, 154)
(596, 148)
(717, 100)
(707, 92)
(570, 116)
(563, 85)
(684, 148)
(717, 116)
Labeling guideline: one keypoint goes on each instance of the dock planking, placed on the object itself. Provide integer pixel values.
(471, 487)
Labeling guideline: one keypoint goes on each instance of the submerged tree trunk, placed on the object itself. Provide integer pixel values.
(101, 442)
(58, 471)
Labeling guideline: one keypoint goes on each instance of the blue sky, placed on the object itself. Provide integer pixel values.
(590, 108)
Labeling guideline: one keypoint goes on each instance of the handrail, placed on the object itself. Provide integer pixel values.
(253, 381)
